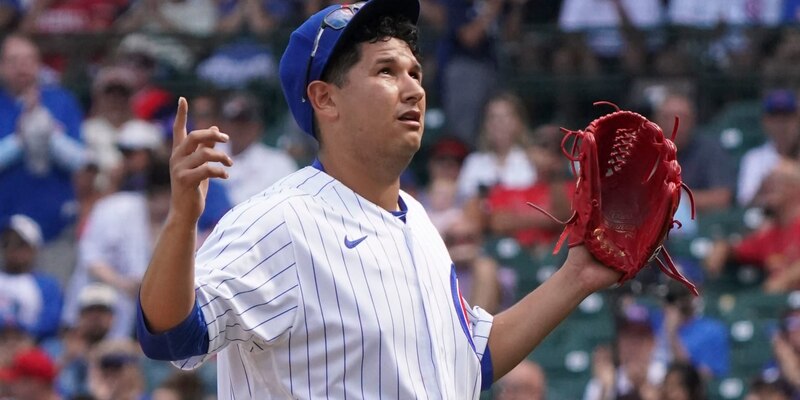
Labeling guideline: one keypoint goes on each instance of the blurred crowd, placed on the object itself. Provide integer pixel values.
(84, 176)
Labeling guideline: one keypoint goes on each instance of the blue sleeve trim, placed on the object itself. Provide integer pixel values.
(458, 306)
(487, 369)
(188, 339)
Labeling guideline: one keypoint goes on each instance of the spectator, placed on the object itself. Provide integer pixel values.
(96, 304)
(508, 213)
(71, 16)
(39, 141)
(711, 13)
(786, 349)
(31, 376)
(705, 166)
(196, 17)
(14, 336)
(440, 196)
(683, 382)
(119, 257)
(114, 372)
(180, 385)
(525, 382)
(10, 14)
(781, 123)
(247, 177)
(139, 53)
(441, 202)
(468, 62)
(602, 25)
(685, 336)
(256, 16)
(629, 370)
(111, 115)
(87, 185)
(205, 112)
(502, 159)
(776, 389)
(775, 246)
(140, 143)
(479, 276)
(239, 64)
(38, 295)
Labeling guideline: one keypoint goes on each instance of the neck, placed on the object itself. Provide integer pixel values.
(117, 117)
(238, 146)
(502, 151)
(374, 184)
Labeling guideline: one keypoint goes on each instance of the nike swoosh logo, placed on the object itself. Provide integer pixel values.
(353, 243)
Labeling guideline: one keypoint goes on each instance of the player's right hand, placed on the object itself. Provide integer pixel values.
(193, 161)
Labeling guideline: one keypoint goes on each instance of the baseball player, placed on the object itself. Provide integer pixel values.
(333, 283)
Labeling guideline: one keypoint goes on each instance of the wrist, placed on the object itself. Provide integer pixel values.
(178, 219)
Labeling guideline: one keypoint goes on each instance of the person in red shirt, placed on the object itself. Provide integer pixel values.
(776, 245)
(509, 214)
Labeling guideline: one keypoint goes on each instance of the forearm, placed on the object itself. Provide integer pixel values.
(712, 199)
(106, 274)
(10, 150)
(67, 152)
(167, 292)
(679, 353)
(518, 330)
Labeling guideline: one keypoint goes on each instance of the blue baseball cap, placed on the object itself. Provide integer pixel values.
(294, 70)
(780, 101)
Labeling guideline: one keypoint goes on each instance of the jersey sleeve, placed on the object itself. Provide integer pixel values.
(481, 324)
(477, 324)
(246, 284)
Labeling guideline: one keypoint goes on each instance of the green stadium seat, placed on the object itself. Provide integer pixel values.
(738, 127)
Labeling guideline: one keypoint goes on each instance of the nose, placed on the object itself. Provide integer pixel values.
(412, 90)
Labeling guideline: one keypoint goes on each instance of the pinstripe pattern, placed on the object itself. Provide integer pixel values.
(293, 313)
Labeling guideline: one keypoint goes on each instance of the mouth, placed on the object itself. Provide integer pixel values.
(412, 117)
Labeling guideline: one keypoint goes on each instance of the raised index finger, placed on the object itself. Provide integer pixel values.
(179, 126)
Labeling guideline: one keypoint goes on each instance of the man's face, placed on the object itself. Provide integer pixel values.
(524, 382)
(26, 388)
(783, 129)
(19, 65)
(94, 322)
(381, 105)
(18, 254)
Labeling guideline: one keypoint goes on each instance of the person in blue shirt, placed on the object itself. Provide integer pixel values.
(683, 335)
(38, 295)
(40, 144)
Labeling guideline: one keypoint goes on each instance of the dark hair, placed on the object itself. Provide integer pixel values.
(348, 51)
(690, 379)
(763, 384)
(188, 385)
(158, 178)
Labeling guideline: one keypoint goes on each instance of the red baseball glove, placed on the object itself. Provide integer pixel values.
(627, 191)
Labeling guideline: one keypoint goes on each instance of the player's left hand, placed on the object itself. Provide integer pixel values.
(588, 272)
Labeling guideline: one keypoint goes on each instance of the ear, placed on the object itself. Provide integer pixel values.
(322, 100)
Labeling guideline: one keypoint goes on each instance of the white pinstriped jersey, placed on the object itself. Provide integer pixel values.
(309, 292)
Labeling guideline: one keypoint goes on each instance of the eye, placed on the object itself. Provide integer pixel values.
(416, 75)
(385, 71)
